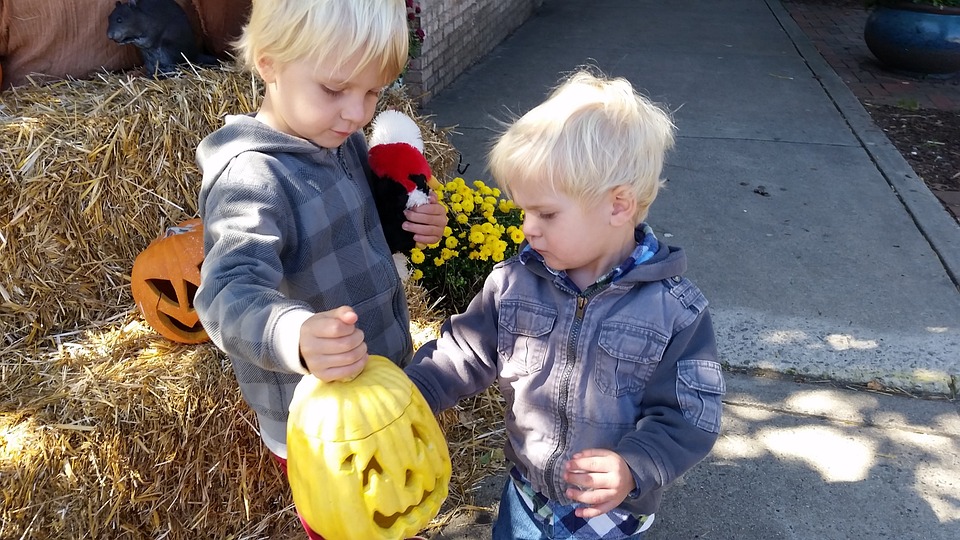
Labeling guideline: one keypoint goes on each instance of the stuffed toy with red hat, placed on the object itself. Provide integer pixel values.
(401, 175)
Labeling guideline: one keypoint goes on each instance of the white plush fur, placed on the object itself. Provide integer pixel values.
(416, 198)
(394, 126)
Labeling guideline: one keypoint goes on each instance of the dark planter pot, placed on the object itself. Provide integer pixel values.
(915, 38)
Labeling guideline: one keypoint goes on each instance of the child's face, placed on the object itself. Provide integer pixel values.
(317, 103)
(585, 240)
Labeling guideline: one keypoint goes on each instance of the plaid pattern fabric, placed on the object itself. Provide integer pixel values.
(647, 247)
(614, 525)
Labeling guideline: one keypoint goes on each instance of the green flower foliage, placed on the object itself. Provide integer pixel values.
(483, 229)
(413, 24)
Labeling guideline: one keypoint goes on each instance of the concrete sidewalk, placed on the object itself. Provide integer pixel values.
(820, 251)
(804, 462)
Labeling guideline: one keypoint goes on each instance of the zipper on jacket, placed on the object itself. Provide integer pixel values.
(564, 398)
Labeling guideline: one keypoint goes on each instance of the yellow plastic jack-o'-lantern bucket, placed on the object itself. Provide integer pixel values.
(367, 459)
(164, 281)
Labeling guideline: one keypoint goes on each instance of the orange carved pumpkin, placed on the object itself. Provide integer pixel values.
(165, 279)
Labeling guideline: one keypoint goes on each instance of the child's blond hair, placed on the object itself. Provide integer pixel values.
(592, 134)
(328, 31)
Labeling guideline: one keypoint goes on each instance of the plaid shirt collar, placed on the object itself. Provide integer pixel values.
(647, 247)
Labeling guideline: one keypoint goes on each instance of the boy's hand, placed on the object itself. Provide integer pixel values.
(426, 221)
(600, 478)
(331, 346)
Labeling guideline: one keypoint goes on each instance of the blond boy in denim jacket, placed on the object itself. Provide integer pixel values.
(604, 352)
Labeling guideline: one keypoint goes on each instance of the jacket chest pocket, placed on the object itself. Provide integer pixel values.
(626, 358)
(524, 334)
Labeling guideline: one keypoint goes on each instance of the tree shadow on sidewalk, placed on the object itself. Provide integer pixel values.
(807, 461)
(815, 461)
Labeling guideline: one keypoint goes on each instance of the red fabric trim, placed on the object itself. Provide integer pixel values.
(398, 161)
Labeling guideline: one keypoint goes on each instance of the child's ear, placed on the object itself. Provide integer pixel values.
(623, 206)
(267, 68)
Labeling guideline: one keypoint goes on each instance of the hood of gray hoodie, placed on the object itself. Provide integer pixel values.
(244, 133)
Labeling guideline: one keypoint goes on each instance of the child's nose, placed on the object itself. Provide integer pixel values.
(353, 110)
(529, 228)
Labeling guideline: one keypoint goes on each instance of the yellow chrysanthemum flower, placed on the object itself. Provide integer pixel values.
(483, 229)
(416, 256)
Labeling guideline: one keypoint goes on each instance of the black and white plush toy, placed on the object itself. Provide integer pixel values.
(402, 176)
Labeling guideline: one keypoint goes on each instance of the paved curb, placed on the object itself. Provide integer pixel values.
(935, 223)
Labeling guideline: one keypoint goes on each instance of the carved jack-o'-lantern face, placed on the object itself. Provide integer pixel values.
(165, 279)
(366, 458)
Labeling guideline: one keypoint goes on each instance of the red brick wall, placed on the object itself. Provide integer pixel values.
(457, 34)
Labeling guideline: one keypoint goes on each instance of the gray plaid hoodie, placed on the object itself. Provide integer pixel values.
(290, 229)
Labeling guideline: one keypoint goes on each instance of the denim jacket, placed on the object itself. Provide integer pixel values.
(629, 366)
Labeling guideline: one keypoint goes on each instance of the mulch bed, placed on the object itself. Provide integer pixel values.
(924, 136)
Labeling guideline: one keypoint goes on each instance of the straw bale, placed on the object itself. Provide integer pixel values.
(106, 429)
(123, 434)
(117, 433)
(93, 170)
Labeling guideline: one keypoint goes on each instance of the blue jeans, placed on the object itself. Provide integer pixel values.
(516, 522)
